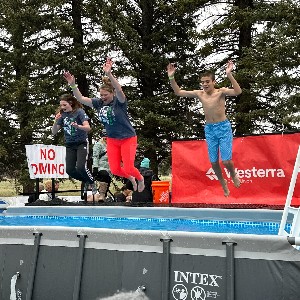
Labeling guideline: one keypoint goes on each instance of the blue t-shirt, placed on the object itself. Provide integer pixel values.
(72, 134)
(114, 117)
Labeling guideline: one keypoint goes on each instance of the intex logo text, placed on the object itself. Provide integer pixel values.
(197, 278)
(249, 173)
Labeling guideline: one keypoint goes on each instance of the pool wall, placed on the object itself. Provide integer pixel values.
(85, 263)
(264, 215)
(88, 263)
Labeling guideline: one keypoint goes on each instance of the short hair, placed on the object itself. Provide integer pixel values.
(75, 104)
(210, 74)
(48, 184)
(127, 296)
(107, 85)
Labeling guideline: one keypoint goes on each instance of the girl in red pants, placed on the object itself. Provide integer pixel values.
(121, 136)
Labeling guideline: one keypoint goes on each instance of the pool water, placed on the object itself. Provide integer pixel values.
(189, 225)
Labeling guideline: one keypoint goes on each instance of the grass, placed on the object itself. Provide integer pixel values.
(8, 188)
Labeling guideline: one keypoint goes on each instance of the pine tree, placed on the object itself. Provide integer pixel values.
(39, 40)
(261, 37)
(145, 36)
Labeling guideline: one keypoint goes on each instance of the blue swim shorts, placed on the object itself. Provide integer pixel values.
(219, 137)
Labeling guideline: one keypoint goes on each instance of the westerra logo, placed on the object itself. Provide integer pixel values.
(182, 279)
(211, 174)
(249, 173)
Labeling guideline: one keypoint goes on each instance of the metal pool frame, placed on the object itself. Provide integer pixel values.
(86, 263)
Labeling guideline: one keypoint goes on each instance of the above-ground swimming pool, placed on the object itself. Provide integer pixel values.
(168, 224)
(171, 253)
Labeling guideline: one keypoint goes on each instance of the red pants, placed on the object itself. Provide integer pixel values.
(121, 156)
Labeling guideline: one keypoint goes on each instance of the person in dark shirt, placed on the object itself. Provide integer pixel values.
(124, 195)
(146, 195)
(74, 121)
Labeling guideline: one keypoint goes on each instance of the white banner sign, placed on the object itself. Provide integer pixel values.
(46, 161)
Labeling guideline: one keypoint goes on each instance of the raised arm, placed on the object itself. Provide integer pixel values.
(236, 87)
(177, 90)
(77, 94)
(118, 88)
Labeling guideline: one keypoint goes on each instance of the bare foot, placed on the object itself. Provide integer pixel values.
(225, 188)
(141, 185)
(236, 181)
(133, 181)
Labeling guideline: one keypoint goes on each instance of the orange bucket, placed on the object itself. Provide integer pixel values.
(160, 190)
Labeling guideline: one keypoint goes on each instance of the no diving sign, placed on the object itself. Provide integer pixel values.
(46, 161)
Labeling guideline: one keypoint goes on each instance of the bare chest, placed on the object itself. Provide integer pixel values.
(211, 101)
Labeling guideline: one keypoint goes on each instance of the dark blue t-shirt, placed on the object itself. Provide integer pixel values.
(72, 134)
(114, 117)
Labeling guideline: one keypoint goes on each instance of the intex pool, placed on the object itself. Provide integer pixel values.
(60, 262)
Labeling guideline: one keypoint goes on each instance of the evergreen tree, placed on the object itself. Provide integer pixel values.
(256, 34)
(275, 66)
(39, 39)
(20, 98)
(145, 36)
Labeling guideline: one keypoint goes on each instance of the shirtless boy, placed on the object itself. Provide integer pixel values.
(218, 132)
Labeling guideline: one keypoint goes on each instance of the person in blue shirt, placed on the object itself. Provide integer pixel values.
(74, 121)
(121, 136)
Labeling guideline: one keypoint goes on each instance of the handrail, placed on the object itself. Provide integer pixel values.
(290, 195)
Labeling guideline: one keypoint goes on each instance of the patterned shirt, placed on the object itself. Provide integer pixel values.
(72, 134)
(114, 117)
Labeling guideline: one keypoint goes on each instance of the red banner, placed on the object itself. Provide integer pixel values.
(263, 163)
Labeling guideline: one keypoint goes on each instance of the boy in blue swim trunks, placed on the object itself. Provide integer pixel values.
(218, 131)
